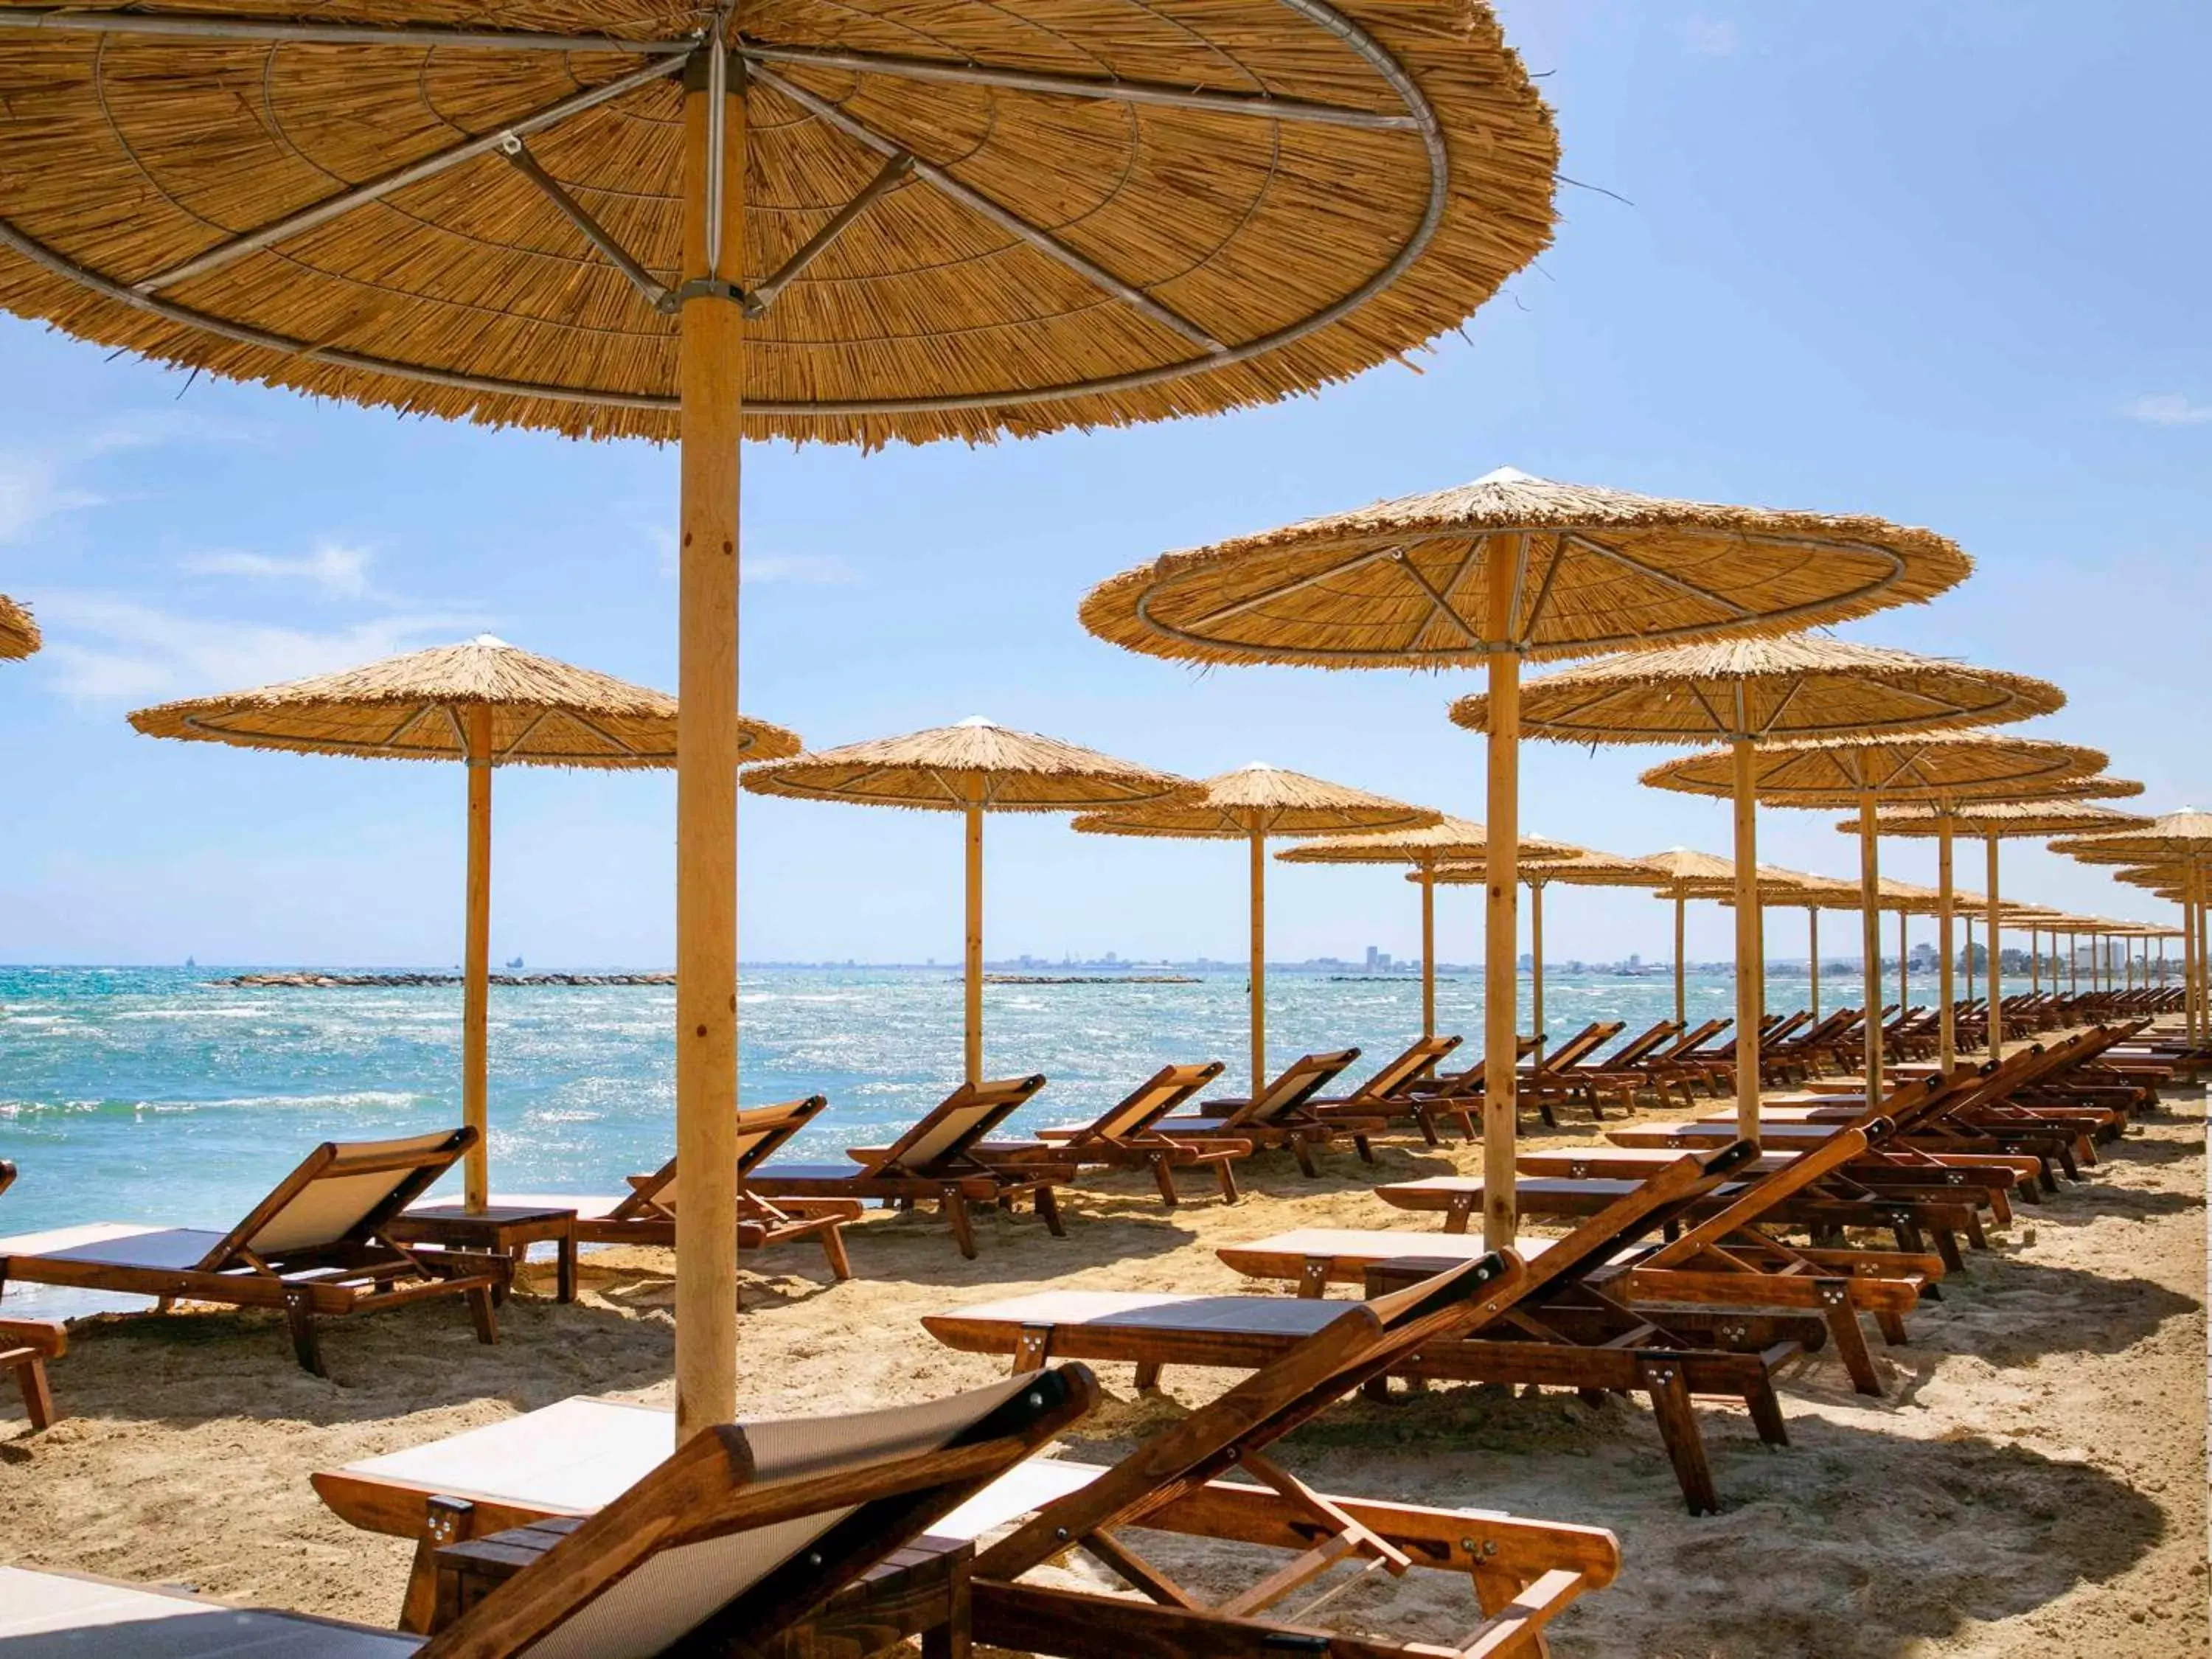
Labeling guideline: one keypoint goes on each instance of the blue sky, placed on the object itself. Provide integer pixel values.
(1942, 263)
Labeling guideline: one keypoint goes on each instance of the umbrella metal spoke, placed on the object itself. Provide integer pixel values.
(1284, 590)
(415, 173)
(1527, 632)
(1004, 217)
(518, 155)
(1263, 104)
(1665, 579)
(1439, 606)
(1781, 707)
(892, 171)
(188, 25)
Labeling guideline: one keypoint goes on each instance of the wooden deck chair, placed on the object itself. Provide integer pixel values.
(567, 1459)
(1124, 1137)
(646, 1214)
(1454, 1095)
(1621, 1075)
(1553, 1077)
(1558, 1331)
(935, 1160)
(312, 1248)
(770, 1537)
(26, 1345)
(1283, 1117)
(1383, 1094)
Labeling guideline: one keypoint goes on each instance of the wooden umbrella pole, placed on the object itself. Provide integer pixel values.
(1970, 956)
(1681, 1016)
(1750, 968)
(1536, 966)
(1501, 933)
(1903, 978)
(1259, 838)
(2073, 964)
(1813, 962)
(2035, 961)
(710, 370)
(1947, 1018)
(475, 966)
(1997, 963)
(972, 947)
(2204, 1011)
(1428, 948)
(1870, 945)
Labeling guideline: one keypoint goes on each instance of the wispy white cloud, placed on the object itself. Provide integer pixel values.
(103, 649)
(43, 482)
(2167, 409)
(792, 569)
(1711, 37)
(33, 489)
(340, 572)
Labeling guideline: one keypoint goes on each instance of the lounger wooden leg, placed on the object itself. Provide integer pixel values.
(955, 1213)
(1303, 1153)
(1164, 1178)
(1148, 1375)
(482, 1310)
(1892, 1328)
(1462, 1206)
(1670, 1391)
(1975, 1237)
(565, 1266)
(1366, 1152)
(955, 1638)
(1224, 1174)
(1048, 1208)
(2000, 1206)
(446, 1521)
(1946, 1246)
(1424, 1120)
(833, 1247)
(38, 1395)
(1842, 1322)
(1765, 1408)
(299, 1315)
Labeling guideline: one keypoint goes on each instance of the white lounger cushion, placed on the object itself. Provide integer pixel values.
(48, 1615)
(118, 1244)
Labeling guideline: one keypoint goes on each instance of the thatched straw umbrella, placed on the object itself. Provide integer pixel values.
(1577, 867)
(1507, 567)
(2182, 841)
(1249, 805)
(958, 220)
(19, 634)
(1450, 841)
(1689, 874)
(974, 768)
(1994, 822)
(1943, 767)
(1751, 692)
(484, 704)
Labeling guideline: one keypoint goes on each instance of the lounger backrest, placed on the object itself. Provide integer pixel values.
(964, 1117)
(1579, 1047)
(1664, 1197)
(1762, 1194)
(762, 1132)
(1688, 1047)
(1150, 1101)
(746, 1531)
(1299, 1082)
(341, 1193)
(1638, 1048)
(1418, 1057)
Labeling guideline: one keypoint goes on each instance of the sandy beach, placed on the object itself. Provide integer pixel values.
(2031, 1484)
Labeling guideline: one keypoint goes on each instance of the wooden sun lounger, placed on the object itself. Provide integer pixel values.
(784, 1538)
(568, 1459)
(26, 1345)
(1556, 1332)
(312, 1248)
(1454, 1095)
(1384, 1094)
(935, 1160)
(646, 1215)
(1125, 1136)
(1283, 1115)
(1621, 1075)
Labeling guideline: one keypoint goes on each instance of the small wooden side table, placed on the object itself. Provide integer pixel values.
(507, 1232)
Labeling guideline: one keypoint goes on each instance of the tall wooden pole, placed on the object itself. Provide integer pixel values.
(2035, 961)
(1536, 965)
(1813, 944)
(1996, 962)
(2073, 964)
(2204, 1012)
(1750, 963)
(1501, 933)
(1428, 948)
(475, 967)
(1680, 1001)
(1946, 1026)
(1259, 987)
(972, 947)
(709, 373)
(1870, 945)
(1904, 967)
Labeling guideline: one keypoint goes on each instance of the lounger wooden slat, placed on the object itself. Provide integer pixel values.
(1282, 1116)
(26, 1345)
(312, 1248)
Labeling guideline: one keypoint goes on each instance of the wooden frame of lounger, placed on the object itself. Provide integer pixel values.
(1123, 1137)
(935, 1159)
(1454, 1095)
(1281, 1117)
(1383, 1092)
(648, 1215)
(26, 1345)
(833, 1499)
(286, 1255)
(1522, 1570)
(1620, 1074)
(1564, 1331)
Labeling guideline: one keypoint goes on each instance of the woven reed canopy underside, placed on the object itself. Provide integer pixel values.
(1263, 800)
(419, 707)
(959, 218)
(1798, 686)
(977, 763)
(1448, 841)
(1935, 766)
(1407, 583)
(1577, 866)
(2182, 835)
(19, 634)
(2008, 820)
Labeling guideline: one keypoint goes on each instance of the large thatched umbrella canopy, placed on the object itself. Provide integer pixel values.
(958, 219)
(974, 768)
(1249, 805)
(19, 634)
(1994, 821)
(1449, 840)
(1941, 768)
(1508, 567)
(484, 704)
(2181, 841)
(1748, 692)
(1544, 863)
(1689, 874)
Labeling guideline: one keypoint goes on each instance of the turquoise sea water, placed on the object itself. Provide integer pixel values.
(150, 1094)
